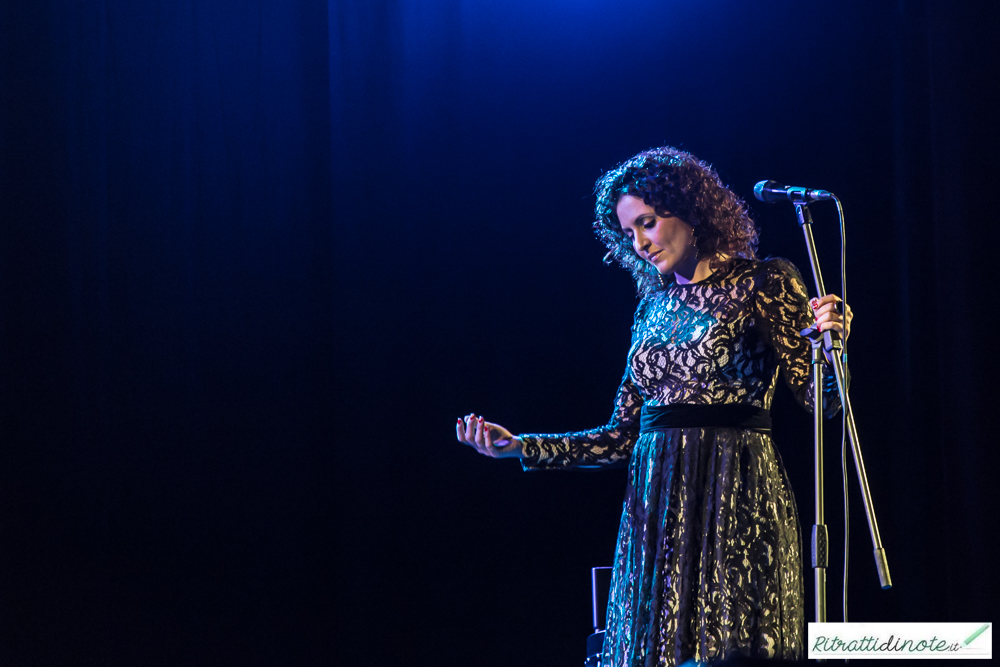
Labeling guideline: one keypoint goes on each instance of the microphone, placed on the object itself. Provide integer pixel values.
(770, 192)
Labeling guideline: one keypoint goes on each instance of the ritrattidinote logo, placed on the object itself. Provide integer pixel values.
(900, 640)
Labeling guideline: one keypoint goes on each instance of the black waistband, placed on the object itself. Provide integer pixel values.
(687, 415)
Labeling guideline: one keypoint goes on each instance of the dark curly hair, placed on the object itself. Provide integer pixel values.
(673, 182)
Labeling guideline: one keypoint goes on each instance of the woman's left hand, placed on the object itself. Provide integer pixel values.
(829, 316)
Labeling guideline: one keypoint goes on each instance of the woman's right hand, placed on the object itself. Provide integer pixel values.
(486, 438)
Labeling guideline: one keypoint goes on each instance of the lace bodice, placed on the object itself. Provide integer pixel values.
(718, 341)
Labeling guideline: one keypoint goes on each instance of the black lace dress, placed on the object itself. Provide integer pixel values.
(708, 562)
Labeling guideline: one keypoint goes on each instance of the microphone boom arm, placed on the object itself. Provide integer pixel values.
(833, 344)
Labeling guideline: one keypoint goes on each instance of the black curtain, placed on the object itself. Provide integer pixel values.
(255, 259)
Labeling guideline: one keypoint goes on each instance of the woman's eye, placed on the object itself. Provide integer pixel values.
(649, 225)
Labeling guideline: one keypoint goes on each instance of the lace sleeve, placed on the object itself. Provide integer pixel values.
(609, 445)
(783, 311)
(605, 446)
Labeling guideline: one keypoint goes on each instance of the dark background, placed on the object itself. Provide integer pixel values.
(256, 257)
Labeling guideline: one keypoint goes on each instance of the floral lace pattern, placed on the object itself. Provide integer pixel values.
(708, 560)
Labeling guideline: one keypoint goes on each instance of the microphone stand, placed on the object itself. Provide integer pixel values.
(820, 538)
(830, 342)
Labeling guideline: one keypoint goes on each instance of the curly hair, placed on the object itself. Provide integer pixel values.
(673, 182)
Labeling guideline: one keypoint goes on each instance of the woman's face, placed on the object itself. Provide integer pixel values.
(665, 242)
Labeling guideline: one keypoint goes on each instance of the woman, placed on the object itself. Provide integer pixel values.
(708, 560)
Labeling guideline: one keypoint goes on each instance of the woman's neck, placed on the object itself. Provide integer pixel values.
(695, 272)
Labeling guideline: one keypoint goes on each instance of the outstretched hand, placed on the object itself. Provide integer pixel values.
(487, 438)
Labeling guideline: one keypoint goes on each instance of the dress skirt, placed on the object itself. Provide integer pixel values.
(708, 563)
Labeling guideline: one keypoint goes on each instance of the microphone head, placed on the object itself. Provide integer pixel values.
(765, 191)
(770, 192)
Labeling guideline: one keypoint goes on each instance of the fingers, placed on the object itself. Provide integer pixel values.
(830, 302)
(480, 438)
(832, 314)
(461, 431)
(475, 432)
(470, 429)
(466, 430)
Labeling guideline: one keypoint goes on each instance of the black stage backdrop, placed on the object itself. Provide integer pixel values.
(256, 258)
